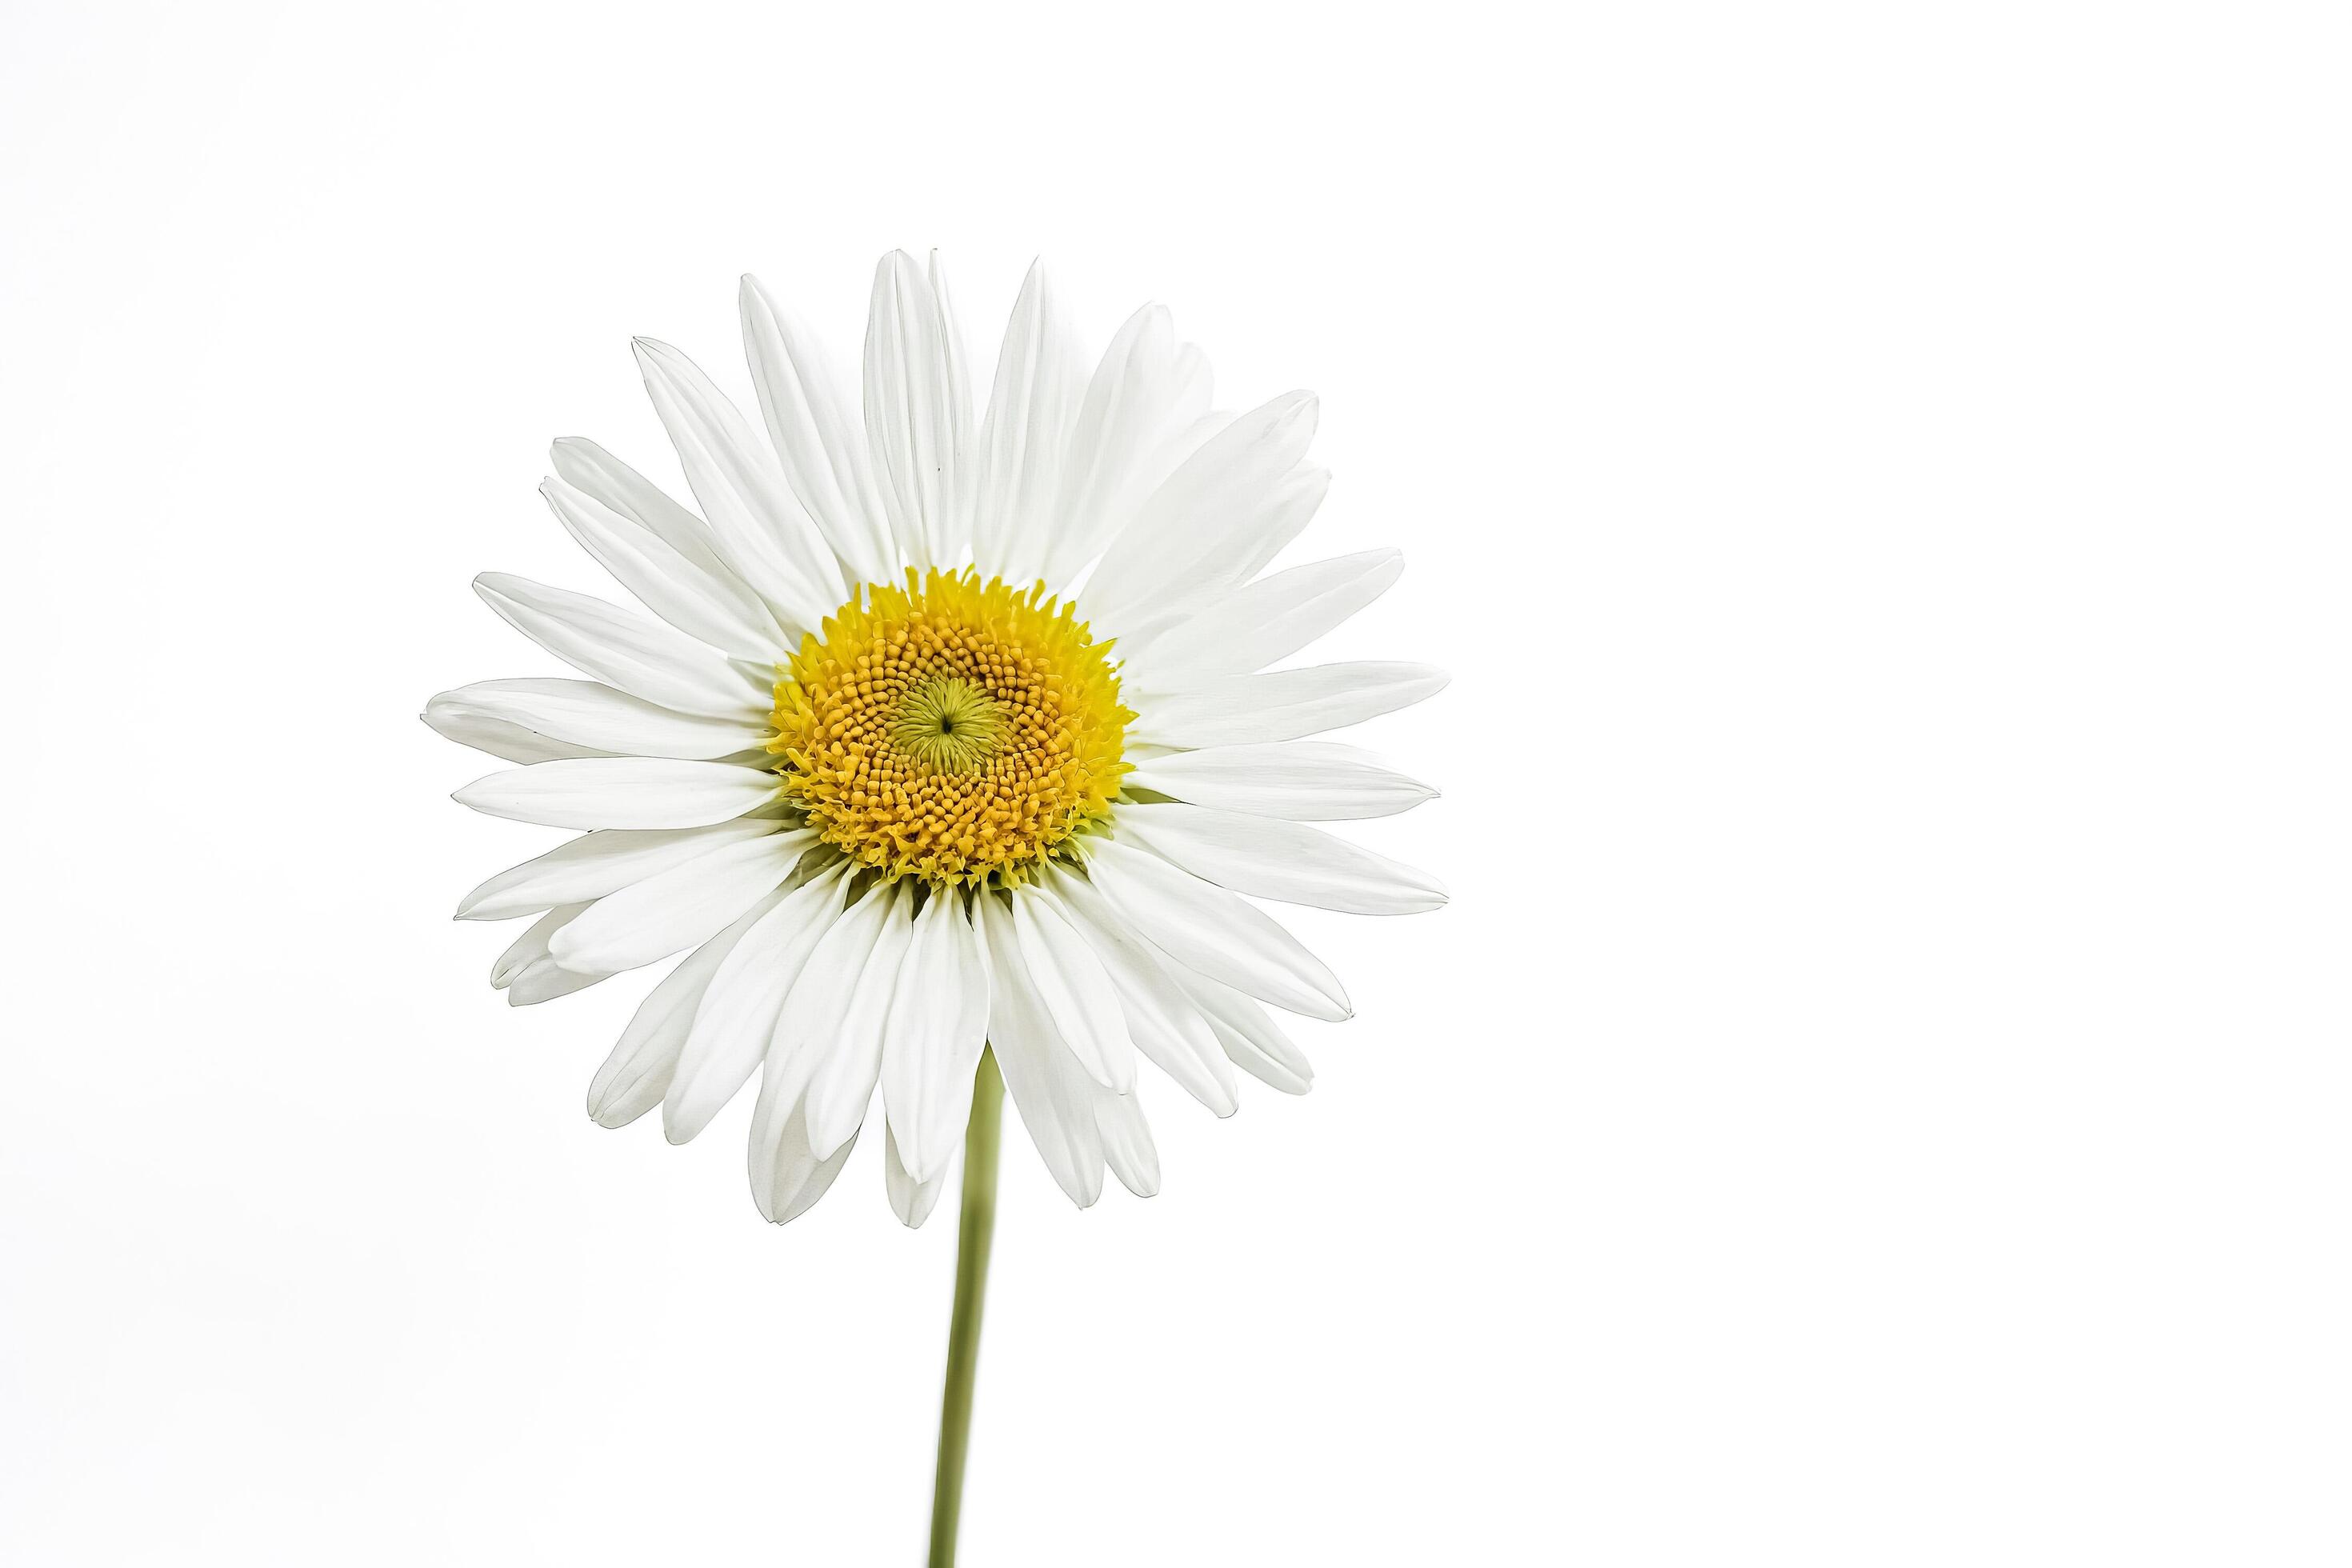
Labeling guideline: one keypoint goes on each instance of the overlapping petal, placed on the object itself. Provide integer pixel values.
(587, 868)
(1303, 781)
(820, 441)
(917, 410)
(646, 657)
(1215, 931)
(740, 1010)
(622, 791)
(1284, 704)
(1253, 627)
(583, 719)
(1270, 859)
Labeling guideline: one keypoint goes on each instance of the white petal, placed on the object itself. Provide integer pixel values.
(1127, 1143)
(637, 653)
(917, 410)
(1278, 518)
(1247, 1035)
(1268, 858)
(1165, 1025)
(646, 921)
(836, 1008)
(635, 1076)
(622, 791)
(1270, 619)
(1304, 781)
(595, 864)
(759, 527)
(1143, 396)
(1215, 931)
(1188, 533)
(1078, 997)
(707, 602)
(1283, 704)
(819, 443)
(547, 980)
(931, 1043)
(1283, 517)
(597, 474)
(530, 947)
(1052, 1092)
(583, 719)
(843, 1086)
(1039, 380)
(739, 1012)
(910, 1199)
(964, 472)
(452, 720)
(787, 1178)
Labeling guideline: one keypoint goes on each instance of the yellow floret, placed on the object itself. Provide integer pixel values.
(951, 729)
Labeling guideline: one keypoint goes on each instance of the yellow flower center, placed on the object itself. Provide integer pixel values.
(952, 728)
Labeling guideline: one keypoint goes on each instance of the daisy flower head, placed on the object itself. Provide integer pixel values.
(945, 744)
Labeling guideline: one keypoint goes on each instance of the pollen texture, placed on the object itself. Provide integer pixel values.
(951, 729)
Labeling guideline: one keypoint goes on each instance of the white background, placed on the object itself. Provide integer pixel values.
(1879, 1095)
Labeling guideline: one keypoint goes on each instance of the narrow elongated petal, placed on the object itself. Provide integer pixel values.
(844, 1084)
(1250, 1038)
(1127, 1143)
(911, 1200)
(597, 474)
(621, 791)
(1039, 381)
(819, 442)
(1284, 704)
(1187, 532)
(620, 647)
(1269, 858)
(835, 1014)
(1281, 517)
(1303, 781)
(1051, 1092)
(1077, 996)
(646, 921)
(1166, 1027)
(809, 1027)
(1145, 391)
(964, 472)
(918, 415)
(637, 1073)
(707, 602)
(931, 1043)
(755, 519)
(452, 721)
(1270, 619)
(787, 1177)
(595, 864)
(530, 947)
(740, 1011)
(584, 719)
(1215, 931)
(547, 980)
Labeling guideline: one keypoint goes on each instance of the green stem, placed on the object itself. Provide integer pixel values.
(974, 1233)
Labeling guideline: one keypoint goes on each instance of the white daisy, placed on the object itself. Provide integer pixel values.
(947, 732)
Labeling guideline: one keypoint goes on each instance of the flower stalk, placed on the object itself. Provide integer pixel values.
(975, 1234)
